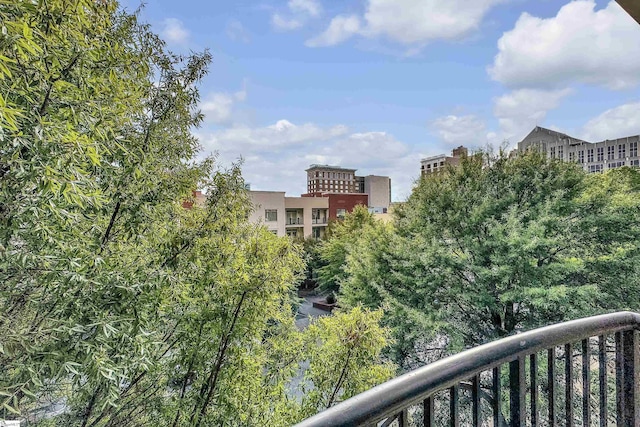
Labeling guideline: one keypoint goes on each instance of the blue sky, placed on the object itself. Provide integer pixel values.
(378, 84)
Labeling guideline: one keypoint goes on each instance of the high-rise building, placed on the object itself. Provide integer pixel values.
(438, 163)
(330, 179)
(592, 156)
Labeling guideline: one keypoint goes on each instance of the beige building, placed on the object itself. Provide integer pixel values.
(438, 163)
(290, 216)
(378, 188)
(330, 179)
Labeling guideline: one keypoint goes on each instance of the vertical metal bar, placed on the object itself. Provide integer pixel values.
(517, 390)
(475, 397)
(586, 383)
(631, 382)
(551, 379)
(568, 371)
(497, 398)
(454, 405)
(602, 373)
(428, 412)
(619, 383)
(533, 373)
(403, 418)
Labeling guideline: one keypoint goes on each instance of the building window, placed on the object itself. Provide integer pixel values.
(600, 154)
(590, 155)
(610, 152)
(595, 168)
(622, 151)
(633, 149)
(581, 156)
(340, 213)
(561, 153)
(270, 215)
(553, 152)
(635, 163)
(614, 165)
(572, 156)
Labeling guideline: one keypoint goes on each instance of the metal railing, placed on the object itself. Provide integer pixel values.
(294, 221)
(319, 220)
(491, 385)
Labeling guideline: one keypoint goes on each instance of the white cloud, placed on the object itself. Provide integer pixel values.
(310, 7)
(521, 110)
(298, 14)
(173, 31)
(237, 32)
(340, 29)
(614, 123)
(578, 44)
(417, 22)
(276, 156)
(218, 107)
(460, 130)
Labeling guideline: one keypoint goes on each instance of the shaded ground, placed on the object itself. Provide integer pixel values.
(307, 311)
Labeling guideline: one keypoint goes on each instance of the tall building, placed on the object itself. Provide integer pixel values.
(325, 179)
(592, 156)
(438, 163)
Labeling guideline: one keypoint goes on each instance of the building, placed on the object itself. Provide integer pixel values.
(592, 156)
(290, 216)
(438, 163)
(324, 180)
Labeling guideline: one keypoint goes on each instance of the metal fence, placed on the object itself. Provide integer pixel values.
(583, 372)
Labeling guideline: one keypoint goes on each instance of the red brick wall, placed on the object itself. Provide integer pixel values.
(345, 201)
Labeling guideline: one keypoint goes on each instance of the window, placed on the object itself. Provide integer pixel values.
(590, 155)
(561, 153)
(635, 163)
(614, 165)
(610, 152)
(633, 149)
(340, 213)
(581, 156)
(622, 151)
(553, 152)
(572, 156)
(270, 215)
(600, 154)
(595, 168)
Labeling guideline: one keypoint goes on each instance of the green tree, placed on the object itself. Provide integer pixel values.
(115, 301)
(502, 244)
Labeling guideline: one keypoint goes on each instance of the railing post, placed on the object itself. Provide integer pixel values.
(517, 390)
(631, 373)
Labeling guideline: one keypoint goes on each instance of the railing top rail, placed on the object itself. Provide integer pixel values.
(410, 388)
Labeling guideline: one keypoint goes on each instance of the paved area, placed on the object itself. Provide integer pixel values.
(307, 311)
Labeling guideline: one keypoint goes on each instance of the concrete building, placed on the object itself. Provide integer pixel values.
(378, 188)
(438, 163)
(290, 216)
(592, 156)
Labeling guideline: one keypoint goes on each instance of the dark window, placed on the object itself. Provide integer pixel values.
(590, 155)
(600, 154)
(633, 149)
(610, 152)
(622, 151)
(581, 156)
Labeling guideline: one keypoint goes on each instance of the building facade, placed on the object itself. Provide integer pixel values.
(592, 156)
(438, 163)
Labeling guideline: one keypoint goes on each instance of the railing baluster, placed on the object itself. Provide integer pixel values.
(497, 397)
(517, 392)
(428, 412)
(403, 419)
(533, 373)
(568, 372)
(475, 396)
(602, 373)
(619, 377)
(631, 378)
(586, 383)
(551, 378)
(454, 405)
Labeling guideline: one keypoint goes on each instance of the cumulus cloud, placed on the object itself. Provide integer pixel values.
(276, 156)
(416, 22)
(521, 110)
(578, 44)
(614, 123)
(460, 130)
(340, 29)
(218, 107)
(299, 12)
(173, 31)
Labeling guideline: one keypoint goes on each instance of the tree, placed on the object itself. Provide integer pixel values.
(499, 245)
(116, 302)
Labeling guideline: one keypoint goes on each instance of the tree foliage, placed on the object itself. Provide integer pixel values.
(116, 303)
(499, 245)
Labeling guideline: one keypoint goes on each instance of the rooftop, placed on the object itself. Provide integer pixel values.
(330, 167)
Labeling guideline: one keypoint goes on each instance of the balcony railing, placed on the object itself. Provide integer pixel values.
(467, 389)
(319, 220)
(294, 221)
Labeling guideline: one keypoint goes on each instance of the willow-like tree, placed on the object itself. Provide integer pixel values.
(116, 303)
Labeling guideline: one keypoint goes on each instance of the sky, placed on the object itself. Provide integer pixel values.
(376, 85)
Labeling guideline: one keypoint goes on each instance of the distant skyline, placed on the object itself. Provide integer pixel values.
(376, 85)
